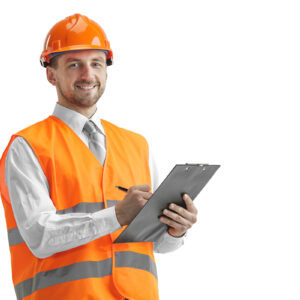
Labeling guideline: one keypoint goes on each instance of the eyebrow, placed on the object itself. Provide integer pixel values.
(71, 59)
(99, 58)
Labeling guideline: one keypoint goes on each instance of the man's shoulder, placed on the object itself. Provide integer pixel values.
(121, 130)
(35, 126)
(19, 141)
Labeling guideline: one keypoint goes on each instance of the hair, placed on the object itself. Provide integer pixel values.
(54, 62)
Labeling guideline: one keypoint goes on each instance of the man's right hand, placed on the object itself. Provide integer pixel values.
(132, 203)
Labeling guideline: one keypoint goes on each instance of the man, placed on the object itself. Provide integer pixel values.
(58, 186)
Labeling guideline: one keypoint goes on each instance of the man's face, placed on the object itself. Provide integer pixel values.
(79, 77)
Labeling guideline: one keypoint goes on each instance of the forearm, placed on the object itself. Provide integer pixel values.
(50, 233)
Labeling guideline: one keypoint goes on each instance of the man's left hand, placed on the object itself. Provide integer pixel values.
(178, 218)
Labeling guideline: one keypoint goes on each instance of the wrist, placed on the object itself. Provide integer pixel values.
(119, 215)
(177, 236)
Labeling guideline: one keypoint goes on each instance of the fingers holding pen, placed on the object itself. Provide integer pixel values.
(141, 191)
(135, 198)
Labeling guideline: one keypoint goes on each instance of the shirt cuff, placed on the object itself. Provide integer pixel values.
(167, 243)
(173, 239)
(106, 218)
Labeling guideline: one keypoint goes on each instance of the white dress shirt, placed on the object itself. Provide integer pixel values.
(44, 231)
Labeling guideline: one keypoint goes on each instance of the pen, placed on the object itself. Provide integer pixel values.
(121, 188)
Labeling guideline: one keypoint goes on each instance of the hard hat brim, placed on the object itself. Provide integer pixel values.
(46, 57)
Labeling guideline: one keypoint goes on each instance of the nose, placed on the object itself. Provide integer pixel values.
(86, 72)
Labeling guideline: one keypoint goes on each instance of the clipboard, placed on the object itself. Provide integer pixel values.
(183, 178)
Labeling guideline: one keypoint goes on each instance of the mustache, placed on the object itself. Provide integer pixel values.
(87, 82)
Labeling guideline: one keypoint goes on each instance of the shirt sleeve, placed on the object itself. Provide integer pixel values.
(44, 231)
(167, 242)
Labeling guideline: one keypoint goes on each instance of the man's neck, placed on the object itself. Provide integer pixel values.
(86, 111)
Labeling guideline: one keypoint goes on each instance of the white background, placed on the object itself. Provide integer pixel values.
(204, 81)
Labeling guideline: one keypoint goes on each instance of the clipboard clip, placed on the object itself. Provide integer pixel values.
(197, 165)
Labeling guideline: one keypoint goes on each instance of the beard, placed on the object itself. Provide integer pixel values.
(81, 99)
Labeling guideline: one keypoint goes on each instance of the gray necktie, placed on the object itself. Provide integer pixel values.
(96, 140)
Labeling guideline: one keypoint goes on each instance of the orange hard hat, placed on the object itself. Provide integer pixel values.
(75, 33)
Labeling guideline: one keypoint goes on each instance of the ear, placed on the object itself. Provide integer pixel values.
(51, 75)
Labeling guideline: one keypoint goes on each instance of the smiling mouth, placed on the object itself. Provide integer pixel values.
(85, 87)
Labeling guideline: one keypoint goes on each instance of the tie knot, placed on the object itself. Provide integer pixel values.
(90, 128)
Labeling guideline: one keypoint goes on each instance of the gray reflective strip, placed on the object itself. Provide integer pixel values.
(86, 269)
(87, 207)
(135, 260)
(14, 237)
(82, 207)
(111, 203)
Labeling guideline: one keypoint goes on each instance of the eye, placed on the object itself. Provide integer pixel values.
(73, 65)
(97, 64)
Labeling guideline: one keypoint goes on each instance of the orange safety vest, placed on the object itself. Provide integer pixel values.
(79, 183)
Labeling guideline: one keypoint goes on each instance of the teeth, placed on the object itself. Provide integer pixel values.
(86, 87)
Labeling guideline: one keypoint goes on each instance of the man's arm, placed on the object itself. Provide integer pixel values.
(44, 231)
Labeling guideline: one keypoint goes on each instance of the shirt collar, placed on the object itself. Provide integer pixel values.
(75, 119)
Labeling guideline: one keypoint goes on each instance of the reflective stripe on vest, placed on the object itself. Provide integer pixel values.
(83, 270)
(79, 183)
(75, 271)
(14, 237)
(87, 207)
